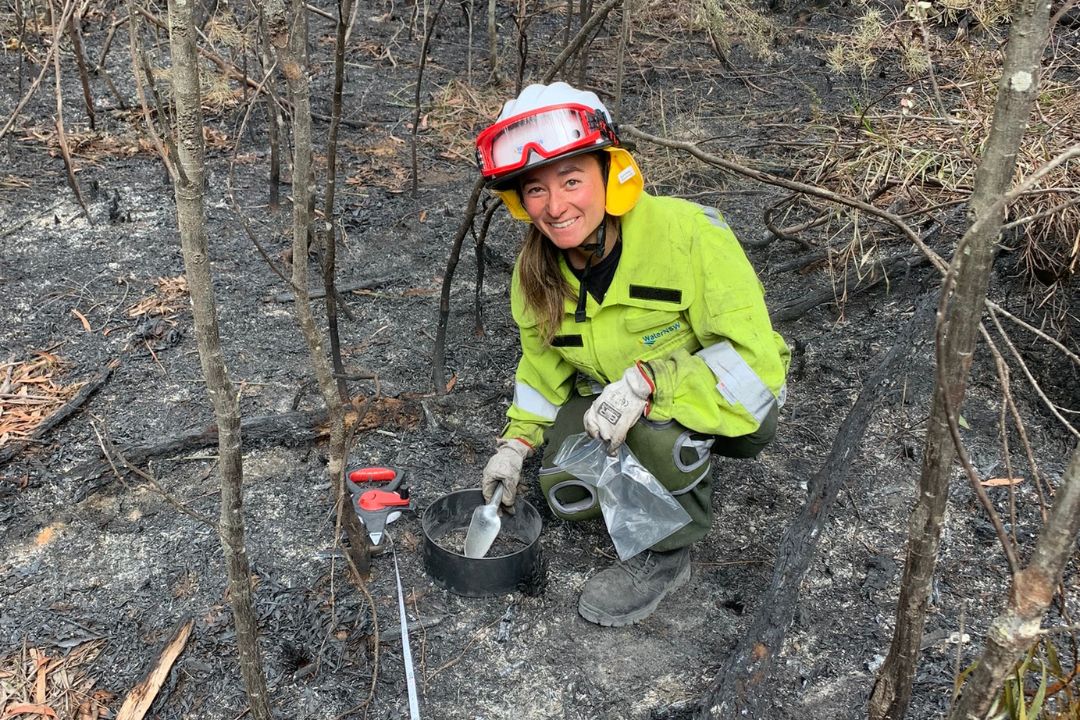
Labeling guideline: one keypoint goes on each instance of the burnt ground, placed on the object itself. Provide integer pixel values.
(104, 567)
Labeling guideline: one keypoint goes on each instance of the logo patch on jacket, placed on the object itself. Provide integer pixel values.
(650, 338)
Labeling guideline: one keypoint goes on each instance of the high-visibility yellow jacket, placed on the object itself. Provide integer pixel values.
(685, 300)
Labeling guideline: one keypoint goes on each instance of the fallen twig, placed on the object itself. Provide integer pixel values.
(800, 306)
(63, 413)
(370, 284)
(108, 449)
(61, 138)
(292, 426)
(472, 641)
(790, 233)
(141, 697)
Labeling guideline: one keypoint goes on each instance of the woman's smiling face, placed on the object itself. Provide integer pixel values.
(565, 200)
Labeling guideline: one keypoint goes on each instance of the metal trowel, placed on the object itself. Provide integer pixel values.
(484, 526)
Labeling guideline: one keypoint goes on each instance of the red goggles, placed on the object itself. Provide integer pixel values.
(549, 132)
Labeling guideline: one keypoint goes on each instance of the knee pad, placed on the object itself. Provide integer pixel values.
(569, 497)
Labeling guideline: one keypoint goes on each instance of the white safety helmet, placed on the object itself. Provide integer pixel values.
(546, 123)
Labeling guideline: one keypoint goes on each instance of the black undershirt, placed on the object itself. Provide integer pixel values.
(601, 274)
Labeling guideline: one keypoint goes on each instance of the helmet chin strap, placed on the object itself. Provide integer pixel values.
(596, 251)
(597, 247)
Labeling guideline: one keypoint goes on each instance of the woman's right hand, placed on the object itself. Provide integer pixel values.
(504, 468)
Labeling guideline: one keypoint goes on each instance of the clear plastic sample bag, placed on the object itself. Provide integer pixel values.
(638, 511)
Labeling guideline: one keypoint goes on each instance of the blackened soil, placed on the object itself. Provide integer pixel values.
(123, 566)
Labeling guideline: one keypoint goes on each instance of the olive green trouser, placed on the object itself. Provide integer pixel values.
(679, 458)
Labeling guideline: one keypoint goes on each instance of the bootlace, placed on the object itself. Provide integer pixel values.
(639, 565)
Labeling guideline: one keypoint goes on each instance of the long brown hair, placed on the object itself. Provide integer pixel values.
(542, 283)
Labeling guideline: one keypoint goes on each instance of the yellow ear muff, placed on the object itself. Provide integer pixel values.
(512, 201)
(624, 184)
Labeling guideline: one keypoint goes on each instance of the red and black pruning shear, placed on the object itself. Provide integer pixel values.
(378, 507)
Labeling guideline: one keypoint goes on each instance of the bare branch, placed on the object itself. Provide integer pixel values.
(813, 190)
(1054, 410)
(69, 7)
(579, 39)
(108, 449)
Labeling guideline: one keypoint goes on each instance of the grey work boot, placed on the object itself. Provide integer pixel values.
(629, 591)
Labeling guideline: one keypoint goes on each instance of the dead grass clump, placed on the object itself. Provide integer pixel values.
(458, 113)
(220, 93)
(217, 91)
(169, 296)
(987, 13)
(35, 684)
(222, 29)
(728, 19)
(29, 393)
(381, 161)
(885, 34)
(880, 35)
(906, 154)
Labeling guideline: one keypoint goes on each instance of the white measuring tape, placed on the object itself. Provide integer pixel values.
(406, 650)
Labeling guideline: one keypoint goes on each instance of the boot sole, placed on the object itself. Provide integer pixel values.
(595, 615)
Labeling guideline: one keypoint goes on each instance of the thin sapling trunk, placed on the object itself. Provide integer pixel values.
(960, 313)
(188, 184)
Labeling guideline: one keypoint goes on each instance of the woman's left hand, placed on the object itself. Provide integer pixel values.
(619, 406)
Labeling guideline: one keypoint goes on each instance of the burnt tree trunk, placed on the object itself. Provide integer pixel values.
(493, 44)
(738, 690)
(188, 184)
(328, 236)
(959, 317)
(287, 29)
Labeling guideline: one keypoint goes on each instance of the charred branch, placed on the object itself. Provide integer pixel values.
(738, 688)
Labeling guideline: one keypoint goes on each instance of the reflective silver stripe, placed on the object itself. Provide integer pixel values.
(714, 216)
(736, 381)
(530, 400)
(700, 446)
(586, 503)
(704, 474)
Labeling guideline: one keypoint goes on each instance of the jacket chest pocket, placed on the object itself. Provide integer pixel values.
(655, 332)
(570, 344)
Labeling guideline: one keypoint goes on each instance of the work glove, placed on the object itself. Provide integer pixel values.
(619, 406)
(505, 467)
